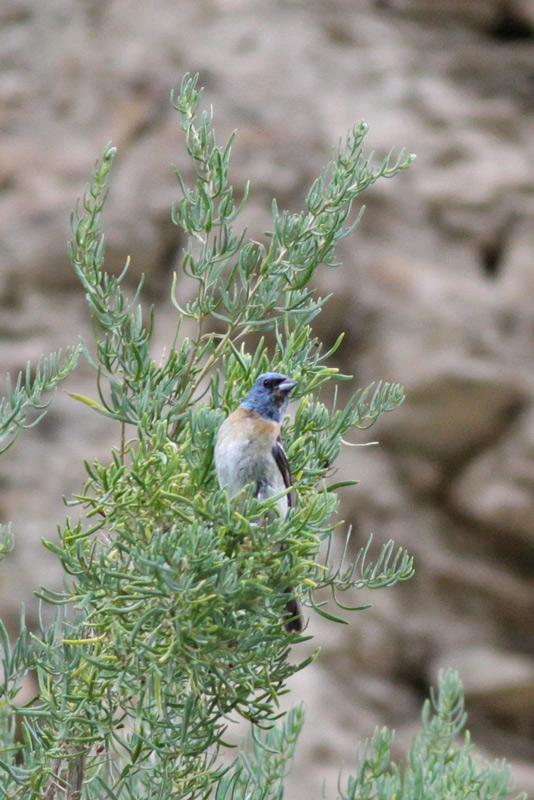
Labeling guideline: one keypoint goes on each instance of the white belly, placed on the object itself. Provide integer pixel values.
(243, 461)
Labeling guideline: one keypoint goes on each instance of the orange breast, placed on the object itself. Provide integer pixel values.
(244, 422)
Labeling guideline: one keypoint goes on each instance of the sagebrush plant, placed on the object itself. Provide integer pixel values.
(170, 616)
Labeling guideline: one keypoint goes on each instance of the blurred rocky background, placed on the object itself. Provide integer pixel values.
(436, 291)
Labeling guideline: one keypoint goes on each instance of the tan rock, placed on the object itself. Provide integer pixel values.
(436, 292)
(497, 488)
(497, 680)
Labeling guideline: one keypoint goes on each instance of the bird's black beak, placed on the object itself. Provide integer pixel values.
(287, 385)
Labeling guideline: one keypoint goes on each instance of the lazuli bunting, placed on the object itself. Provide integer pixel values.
(248, 450)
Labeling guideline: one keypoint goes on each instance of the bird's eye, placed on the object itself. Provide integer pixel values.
(267, 383)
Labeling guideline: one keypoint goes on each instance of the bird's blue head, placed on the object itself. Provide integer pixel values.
(269, 395)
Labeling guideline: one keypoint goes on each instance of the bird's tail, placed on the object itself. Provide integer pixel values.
(293, 620)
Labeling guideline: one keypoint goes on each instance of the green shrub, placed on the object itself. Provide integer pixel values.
(169, 617)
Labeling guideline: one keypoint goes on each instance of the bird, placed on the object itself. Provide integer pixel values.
(248, 450)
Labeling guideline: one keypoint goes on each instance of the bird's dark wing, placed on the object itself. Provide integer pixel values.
(294, 622)
(282, 463)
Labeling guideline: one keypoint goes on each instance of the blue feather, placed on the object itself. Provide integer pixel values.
(269, 395)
